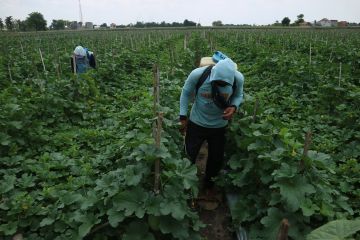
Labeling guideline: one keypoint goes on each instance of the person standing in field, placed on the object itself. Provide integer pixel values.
(82, 60)
(216, 100)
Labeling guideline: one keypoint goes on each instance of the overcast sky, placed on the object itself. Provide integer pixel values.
(204, 11)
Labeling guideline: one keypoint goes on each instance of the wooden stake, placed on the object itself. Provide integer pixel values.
(157, 161)
(307, 143)
(308, 136)
(22, 49)
(59, 66)
(74, 64)
(156, 82)
(11, 79)
(185, 41)
(256, 106)
(57, 70)
(42, 60)
(310, 55)
(340, 74)
(283, 230)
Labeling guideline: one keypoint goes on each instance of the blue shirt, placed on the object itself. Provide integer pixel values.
(204, 112)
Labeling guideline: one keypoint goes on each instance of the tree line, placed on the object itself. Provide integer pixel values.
(36, 22)
(299, 21)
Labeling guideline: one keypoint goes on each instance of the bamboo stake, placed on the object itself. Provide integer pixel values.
(157, 129)
(156, 87)
(131, 43)
(185, 41)
(22, 49)
(310, 55)
(307, 143)
(59, 66)
(340, 74)
(157, 161)
(57, 70)
(42, 60)
(255, 109)
(11, 79)
(74, 64)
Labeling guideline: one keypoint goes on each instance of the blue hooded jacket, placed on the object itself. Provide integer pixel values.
(204, 112)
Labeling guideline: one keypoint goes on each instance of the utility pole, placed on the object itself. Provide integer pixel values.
(80, 13)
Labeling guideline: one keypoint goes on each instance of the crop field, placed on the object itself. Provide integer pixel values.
(79, 154)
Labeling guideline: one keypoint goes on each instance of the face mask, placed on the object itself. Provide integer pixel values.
(218, 99)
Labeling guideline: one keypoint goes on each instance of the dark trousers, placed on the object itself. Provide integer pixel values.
(215, 137)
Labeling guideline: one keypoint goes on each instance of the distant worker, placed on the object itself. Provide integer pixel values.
(83, 59)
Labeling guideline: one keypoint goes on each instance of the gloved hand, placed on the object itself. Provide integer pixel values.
(229, 112)
(183, 126)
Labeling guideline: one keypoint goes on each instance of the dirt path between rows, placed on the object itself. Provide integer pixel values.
(218, 221)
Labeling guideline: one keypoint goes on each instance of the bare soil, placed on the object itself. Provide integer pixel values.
(218, 221)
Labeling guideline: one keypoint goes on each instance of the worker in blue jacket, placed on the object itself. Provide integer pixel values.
(216, 101)
(82, 60)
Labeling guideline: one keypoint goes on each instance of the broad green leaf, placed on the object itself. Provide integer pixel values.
(285, 171)
(46, 221)
(175, 208)
(138, 230)
(115, 217)
(255, 146)
(131, 176)
(4, 139)
(89, 200)
(88, 221)
(309, 208)
(132, 202)
(294, 191)
(323, 160)
(16, 124)
(176, 228)
(335, 230)
(153, 205)
(85, 228)
(272, 222)
(69, 197)
(7, 183)
(8, 228)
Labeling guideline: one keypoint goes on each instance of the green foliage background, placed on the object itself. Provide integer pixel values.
(77, 152)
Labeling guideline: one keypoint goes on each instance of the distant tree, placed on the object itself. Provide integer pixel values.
(300, 19)
(217, 23)
(139, 25)
(9, 23)
(35, 21)
(58, 24)
(104, 25)
(286, 21)
(1, 24)
(16, 24)
(188, 23)
(22, 25)
(277, 24)
(176, 24)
